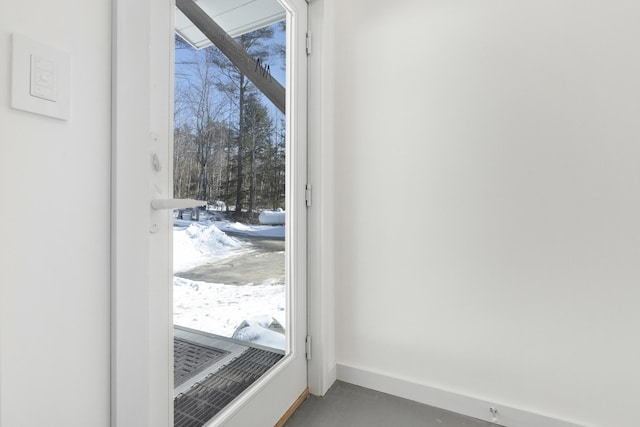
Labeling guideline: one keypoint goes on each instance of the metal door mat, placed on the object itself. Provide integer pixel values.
(209, 396)
(189, 358)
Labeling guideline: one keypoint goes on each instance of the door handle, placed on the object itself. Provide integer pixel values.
(159, 204)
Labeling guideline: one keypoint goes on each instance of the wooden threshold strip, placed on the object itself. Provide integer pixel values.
(293, 408)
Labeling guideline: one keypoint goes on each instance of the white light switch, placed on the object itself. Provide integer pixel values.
(40, 78)
(43, 78)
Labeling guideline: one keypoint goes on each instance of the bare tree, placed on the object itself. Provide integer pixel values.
(201, 101)
(226, 146)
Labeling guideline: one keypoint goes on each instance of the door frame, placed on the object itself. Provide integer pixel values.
(141, 385)
(321, 241)
(135, 131)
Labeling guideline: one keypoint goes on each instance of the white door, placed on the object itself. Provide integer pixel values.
(142, 324)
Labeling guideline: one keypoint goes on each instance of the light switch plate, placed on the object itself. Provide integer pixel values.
(40, 78)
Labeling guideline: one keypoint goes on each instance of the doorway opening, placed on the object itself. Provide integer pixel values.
(230, 283)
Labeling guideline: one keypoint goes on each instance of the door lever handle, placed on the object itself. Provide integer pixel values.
(158, 204)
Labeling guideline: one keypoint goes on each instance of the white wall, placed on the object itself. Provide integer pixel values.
(54, 227)
(505, 134)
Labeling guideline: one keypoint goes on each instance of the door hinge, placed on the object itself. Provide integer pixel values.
(307, 347)
(307, 195)
(308, 43)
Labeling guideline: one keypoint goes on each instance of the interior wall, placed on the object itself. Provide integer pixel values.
(54, 223)
(487, 203)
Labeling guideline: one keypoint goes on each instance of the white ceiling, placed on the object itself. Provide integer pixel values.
(235, 16)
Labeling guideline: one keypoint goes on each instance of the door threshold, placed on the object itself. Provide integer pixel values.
(235, 365)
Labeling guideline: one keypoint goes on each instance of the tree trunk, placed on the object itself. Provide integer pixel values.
(240, 173)
(252, 177)
(202, 183)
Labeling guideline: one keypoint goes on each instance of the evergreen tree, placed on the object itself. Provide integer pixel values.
(226, 145)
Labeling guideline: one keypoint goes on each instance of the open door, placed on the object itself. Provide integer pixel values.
(143, 278)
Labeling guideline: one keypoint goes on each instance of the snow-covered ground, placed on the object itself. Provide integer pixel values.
(219, 308)
(195, 244)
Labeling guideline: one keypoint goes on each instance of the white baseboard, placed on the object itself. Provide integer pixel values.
(454, 402)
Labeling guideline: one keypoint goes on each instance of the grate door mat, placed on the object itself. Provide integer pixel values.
(190, 358)
(209, 396)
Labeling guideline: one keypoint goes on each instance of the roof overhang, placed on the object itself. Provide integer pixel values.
(236, 17)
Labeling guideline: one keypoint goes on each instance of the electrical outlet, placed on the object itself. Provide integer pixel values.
(494, 414)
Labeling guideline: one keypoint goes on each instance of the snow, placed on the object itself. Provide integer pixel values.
(264, 231)
(269, 231)
(254, 312)
(198, 244)
(238, 226)
(259, 330)
(222, 309)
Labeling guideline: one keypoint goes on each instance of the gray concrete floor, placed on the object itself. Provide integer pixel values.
(347, 405)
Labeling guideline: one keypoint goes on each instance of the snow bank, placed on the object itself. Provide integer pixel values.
(267, 231)
(253, 313)
(264, 330)
(198, 244)
(272, 217)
